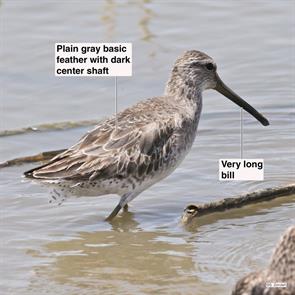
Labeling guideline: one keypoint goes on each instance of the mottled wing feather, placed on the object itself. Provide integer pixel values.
(134, 146)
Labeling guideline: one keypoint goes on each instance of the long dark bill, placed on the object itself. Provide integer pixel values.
(226, 91)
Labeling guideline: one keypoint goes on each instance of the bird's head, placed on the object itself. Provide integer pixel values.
(194, 72)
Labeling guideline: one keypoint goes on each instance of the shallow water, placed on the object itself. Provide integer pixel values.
(69, 249)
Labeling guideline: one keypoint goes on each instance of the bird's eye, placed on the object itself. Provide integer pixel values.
(209, 66)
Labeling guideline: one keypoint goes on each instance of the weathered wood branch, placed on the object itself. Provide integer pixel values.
(193, 211)
(45, 156)
(49, 127)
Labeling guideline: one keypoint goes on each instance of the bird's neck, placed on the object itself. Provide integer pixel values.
(183, 87)
(185, 92)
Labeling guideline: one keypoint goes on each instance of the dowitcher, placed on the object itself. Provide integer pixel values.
(145, 143)
(281, 270)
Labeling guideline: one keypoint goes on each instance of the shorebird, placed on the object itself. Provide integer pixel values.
(280, 272)
(127, 154)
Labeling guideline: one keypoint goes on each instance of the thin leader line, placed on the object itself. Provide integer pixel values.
(241, 134)
(116, 102)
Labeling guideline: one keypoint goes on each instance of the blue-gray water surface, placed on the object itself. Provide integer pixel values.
(69, 249)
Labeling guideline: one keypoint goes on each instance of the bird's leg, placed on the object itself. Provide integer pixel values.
(114, 213)
(122, 204)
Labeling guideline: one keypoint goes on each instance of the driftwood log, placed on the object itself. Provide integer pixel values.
(45, 156)
(49, 127)
(193, 211)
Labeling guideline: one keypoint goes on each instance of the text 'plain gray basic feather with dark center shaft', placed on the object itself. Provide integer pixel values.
(150, 141)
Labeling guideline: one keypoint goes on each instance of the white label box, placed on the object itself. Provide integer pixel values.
(93, 59)
(241, 169)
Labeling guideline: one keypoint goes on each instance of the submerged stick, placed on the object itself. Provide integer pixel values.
(49, 127)
(192, 212)
(45, 156)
